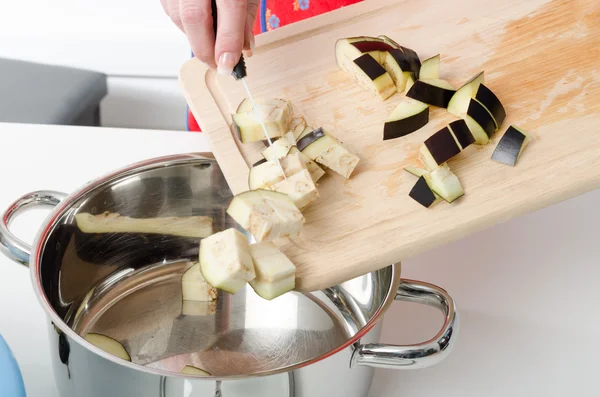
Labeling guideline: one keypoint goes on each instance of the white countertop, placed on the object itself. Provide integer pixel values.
(526, 289)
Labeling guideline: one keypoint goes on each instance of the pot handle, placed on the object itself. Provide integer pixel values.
(10, 245)
(420, 355)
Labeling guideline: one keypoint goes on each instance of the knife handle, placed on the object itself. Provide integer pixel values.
(239, 71)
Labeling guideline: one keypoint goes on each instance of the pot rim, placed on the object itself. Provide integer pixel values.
(163, 161)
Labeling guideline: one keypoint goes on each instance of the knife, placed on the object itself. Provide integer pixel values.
(239, 73)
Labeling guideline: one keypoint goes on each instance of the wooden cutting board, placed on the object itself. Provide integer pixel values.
(542, 59)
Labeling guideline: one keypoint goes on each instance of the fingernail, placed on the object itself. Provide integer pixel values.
(226, 63)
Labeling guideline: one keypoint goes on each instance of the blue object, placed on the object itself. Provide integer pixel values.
(11, 381)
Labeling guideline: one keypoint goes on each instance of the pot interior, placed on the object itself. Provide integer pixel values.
(127, 286)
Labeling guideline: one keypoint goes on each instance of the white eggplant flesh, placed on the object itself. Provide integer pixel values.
(459, 103)
(275, 273)
(225, 260)
(300, 188)
(195, 288)
(444, 183)
(109, 345)
(268, 174)
(267, 215)
(271, 290)
(276, 115)
(297, 125)
(427, 159)
(329, 152)
(279, 149)
(191, 370)
(430, 68)
(192, 226)
(316, 172)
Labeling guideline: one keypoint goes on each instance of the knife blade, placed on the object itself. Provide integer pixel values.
(239, 73)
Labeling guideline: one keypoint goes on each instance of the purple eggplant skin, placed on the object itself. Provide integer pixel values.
(403, 127)
(442, 146)
(508, 149)
(370, 66)
(310, 138)
(482, 117)
(422, 194)
(259, 162)
(414, 61)
(491, 102)
(430, 94)
(462, 133)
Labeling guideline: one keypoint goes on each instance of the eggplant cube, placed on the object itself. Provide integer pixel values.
(444, 183)
(195, 288)
(276, 115)
(265, 214)
(275, 273)
(422, 194)
(279, 149)
(225, 260)
(511, 145)
(300, 188)
(316, 172)
(442, 146)
(268, 174)
(327, 151)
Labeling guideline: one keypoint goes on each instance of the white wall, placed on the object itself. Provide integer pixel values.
(132, 41)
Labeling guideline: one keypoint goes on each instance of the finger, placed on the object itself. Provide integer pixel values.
(231, 28)
(196, 18)
(172, 9)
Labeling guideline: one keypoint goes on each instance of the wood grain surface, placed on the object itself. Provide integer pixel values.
(542, 59)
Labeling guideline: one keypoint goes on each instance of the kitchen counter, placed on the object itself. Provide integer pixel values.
(526, 289)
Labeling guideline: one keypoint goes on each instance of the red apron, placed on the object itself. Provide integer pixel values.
(275, 13)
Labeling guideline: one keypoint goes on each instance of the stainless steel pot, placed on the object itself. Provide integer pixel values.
(127, 286)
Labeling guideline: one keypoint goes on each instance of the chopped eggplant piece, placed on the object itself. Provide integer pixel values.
(434, 92)
(442, 146)
(107, 222)
(364, 69)
(462, 133)
(373, 77)
(413, 59)
(244, 106)
(490, 101)
(427, 159)
(444, 183)
(308, 138)
(406, 118)
(480, 122)
(416, 171)
(300, 188)
(267, 215)
(275, 273)
(389, 41)
(225, 260)
(191, 370)
(398, 67)
(276, 115)
(264, 175)
(326, 150)
(198, 308)
(459, 104)
(109, 345)
(430, 69)
(511, 145)
(297, 126)
(278, 150)
(422, 194)
(316, 172)
(195, 288)
(377, 49)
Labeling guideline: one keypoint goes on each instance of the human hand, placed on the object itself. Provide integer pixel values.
(234, 31)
